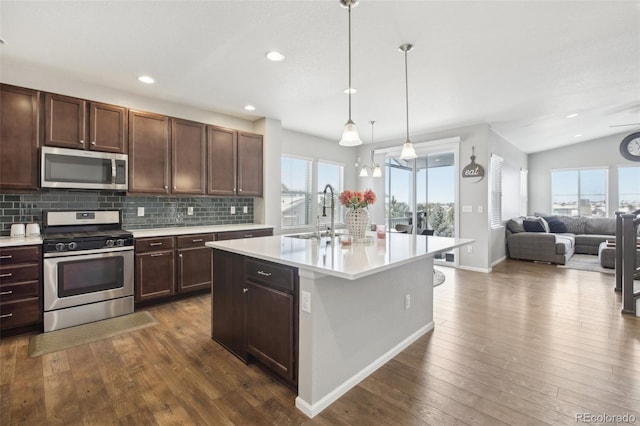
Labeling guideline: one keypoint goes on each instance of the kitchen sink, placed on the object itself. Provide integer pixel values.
(311, 235)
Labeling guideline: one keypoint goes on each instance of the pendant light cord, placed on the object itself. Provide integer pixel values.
(406, 79)
(349, 88)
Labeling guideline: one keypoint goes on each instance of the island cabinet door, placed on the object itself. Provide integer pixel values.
(228, 303)
(270, 329)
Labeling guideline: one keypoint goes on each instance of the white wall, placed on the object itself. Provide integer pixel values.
(603, 152)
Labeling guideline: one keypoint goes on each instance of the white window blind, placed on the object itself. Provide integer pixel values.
(524, 194)
(330, 173)
(295, 188)
(495, 177)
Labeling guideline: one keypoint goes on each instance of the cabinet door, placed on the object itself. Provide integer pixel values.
(19, 138)
(187, 157)
(65, 122)
(194, 269)
(155, 275)
(249, 165)
(221, 161)
(270, 328)
(107, 128)
(148, 153)
(228, 303)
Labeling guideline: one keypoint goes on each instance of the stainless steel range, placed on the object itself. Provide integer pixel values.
(87, 268)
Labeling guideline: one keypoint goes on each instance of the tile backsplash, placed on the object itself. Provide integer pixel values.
(159, 212)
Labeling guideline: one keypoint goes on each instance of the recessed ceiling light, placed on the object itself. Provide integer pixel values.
(275, 56)
(575, 114)
(146, 79)
(350, 90)
(249, 107)
(577, 136)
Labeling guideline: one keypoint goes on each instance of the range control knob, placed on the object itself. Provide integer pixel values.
(73, 246)
(110, 243)
(60, 246)
(120, 242)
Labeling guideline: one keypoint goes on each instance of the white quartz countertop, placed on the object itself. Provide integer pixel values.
(351, 262)
(162, 232)
(20, 241)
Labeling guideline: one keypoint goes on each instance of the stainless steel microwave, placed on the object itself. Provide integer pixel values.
(74, 168)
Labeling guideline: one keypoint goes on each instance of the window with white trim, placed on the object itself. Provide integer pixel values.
(628, 188)
(295, 192)
(495, 191)
(524, 191)
(579, 192)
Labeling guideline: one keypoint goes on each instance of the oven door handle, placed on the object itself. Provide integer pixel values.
(85, 252)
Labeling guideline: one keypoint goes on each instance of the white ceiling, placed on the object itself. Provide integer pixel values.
(521, 66)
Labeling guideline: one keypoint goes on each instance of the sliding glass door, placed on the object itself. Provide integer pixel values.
(421, 194)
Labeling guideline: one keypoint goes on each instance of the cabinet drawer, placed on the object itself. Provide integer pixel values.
(13, 255)
(196, 240)
(22, 312)
(233, 235)
(22, 290)
(18, 273)
(270, 274)
(153, 244)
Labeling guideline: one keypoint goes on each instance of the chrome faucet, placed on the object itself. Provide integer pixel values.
(332, 231)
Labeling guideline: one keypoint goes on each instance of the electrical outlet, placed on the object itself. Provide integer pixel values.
(233, 209)
(306, 301)
(469, 249)
(189, 211)
(245, 209)
(140, 211)
(407, 301)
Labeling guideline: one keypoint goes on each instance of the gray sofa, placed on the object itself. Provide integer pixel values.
(556, 238)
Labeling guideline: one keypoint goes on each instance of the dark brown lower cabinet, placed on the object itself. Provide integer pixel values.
(20, 286)
(194, 262)
(255, 312)
(154, 275)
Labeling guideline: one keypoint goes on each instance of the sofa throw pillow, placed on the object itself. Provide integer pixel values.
(534, 225)
(515, 225)
(557, 227)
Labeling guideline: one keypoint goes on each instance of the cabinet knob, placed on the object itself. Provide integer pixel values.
(244, 290)
(93, 143)
(240, 190)
(165, 187)
(81, 142)
(180, 255)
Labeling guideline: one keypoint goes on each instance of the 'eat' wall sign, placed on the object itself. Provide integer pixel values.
(472, 171)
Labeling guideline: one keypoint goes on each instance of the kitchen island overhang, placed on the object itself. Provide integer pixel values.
(366, 303)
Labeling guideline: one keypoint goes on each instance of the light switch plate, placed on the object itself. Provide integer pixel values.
(233, 209)
(467, 209)
(245, 209)
(189, 211)
(140, 211)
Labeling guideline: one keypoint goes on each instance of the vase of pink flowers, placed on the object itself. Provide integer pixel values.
(356, 216)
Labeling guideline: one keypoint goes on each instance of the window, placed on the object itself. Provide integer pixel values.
(524, 192)
(628, 189)
(330, 173)
(295, 189)
(581, 192)
(495, 192)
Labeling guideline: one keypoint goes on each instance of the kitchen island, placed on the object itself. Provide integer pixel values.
(359, 304)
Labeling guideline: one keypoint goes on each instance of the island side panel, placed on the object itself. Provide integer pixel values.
(355, 326)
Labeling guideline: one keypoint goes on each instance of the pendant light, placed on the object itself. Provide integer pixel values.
(408, 153)
(350, 136)
(376, 171)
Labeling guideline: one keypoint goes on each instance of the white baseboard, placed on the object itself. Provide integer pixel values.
(311, 410)
(502, 259)
(471, 268)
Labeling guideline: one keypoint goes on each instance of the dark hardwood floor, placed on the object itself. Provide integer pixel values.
(527, 344)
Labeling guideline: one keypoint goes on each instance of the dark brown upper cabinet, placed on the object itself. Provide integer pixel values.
(249, 164)
(79, 124)
(148, 153)
(19, 138)
(234, 162)
(188, 160)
